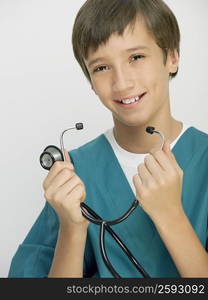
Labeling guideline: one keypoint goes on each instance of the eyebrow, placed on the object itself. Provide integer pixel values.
(136, 48)
(96, 60)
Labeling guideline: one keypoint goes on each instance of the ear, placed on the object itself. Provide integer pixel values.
(172, 61)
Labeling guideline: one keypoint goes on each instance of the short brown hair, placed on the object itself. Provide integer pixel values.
(98, 19)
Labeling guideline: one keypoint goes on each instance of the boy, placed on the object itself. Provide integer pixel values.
(129, 51)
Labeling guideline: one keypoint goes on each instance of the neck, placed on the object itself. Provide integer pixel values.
(135, 139)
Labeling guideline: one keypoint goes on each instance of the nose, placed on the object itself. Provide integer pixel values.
(122, 81)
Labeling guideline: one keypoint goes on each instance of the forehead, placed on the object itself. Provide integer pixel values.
(134, 36)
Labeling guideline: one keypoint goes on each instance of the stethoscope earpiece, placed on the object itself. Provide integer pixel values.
(79, 126)
(150, 129)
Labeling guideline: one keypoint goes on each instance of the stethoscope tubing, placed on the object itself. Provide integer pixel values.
(105, 226)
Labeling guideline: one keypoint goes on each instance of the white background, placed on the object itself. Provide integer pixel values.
(43, 91)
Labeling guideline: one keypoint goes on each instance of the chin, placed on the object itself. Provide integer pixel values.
(134, 122)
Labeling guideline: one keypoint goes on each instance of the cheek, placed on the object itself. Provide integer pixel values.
(156, 78)
(146, 73)
(100, 87)
(95, 86)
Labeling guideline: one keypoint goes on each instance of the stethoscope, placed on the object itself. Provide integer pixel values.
(50, 155)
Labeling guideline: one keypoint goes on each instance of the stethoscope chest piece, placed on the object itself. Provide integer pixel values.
(49, 156)
(51, 153)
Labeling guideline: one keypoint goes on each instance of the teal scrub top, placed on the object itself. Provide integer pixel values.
(109, 194)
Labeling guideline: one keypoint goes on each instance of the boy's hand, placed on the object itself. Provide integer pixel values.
(64, 190)
(159, 184)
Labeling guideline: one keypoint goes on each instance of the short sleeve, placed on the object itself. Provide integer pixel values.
(34, 256)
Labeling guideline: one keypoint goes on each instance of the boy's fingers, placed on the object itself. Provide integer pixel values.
(166, 147)
(167, 150)
(171, 156)
(68, 159)
(56, 168)
(67, 156)
(162, 159)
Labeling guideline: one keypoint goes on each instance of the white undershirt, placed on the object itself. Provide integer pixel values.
(128, 160)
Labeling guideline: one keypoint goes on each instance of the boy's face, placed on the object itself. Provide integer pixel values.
(132, 67)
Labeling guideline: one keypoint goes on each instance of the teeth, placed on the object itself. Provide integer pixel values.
(131, 100)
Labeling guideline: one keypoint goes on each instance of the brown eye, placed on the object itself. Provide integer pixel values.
(136, 57)
(99, 69)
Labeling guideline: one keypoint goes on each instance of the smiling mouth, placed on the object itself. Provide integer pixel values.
(131, 100)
